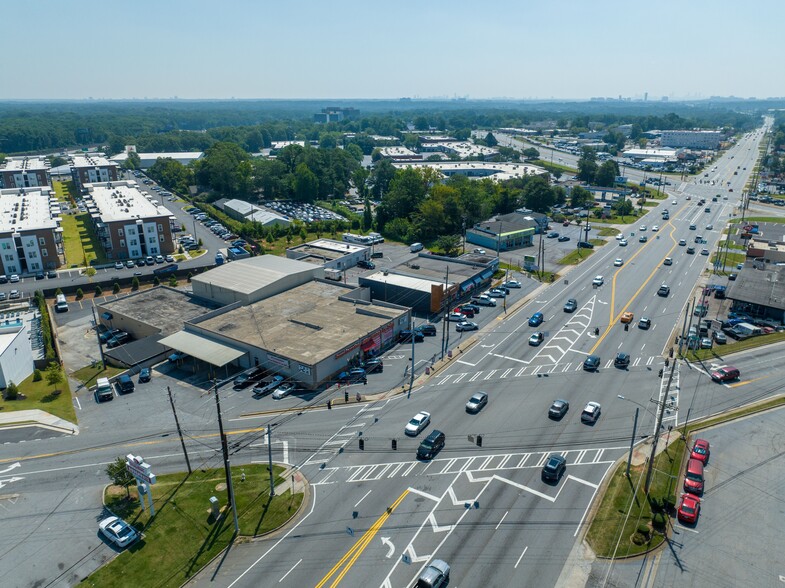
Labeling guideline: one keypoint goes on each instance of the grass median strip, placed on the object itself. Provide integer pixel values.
(184, 536)
(55, 400)
(718, 351)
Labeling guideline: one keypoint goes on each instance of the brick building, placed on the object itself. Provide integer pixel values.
(24, 172)
(92, 169)
(31, 239)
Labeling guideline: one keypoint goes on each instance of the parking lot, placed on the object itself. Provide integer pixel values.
(738, 539)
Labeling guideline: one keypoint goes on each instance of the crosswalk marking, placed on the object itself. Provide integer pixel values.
(520, 372)
(459, 377)
(475, 376)
(504, 375)
(490, 374)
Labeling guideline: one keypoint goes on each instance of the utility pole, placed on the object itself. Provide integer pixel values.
(225, 451)
(660, 415)
(179, 431)
(540, 251)
(446, 314)
(98, 336)
(411, 376)
(684, 326)
(269, 460)
(632, 441)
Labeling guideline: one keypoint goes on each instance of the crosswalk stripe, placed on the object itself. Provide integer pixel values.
(490, 374)
(460, 377)
(504, 375)
(475, 376)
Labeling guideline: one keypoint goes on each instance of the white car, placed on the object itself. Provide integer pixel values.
(655, 228)
(623, 243)
(418, 423)
(674, 202)
(620, 236)
(598, 281)
(13, 278)
(512, 284)
(118, 531)
(118, 265)
(591, 412)
(283, 390)
(642, 228)
(456, 317)
(618, 262)
(709, 227)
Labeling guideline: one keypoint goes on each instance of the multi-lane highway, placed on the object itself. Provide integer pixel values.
(376, 516)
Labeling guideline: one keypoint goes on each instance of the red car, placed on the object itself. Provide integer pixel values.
(566, 223)
(689, 508)
(700, 451)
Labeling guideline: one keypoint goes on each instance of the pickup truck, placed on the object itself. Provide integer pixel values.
(267, 385)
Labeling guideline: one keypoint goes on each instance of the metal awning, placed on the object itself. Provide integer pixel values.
(200, 347)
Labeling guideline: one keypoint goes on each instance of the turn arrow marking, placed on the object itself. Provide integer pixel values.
(13, 466)
(386, 541)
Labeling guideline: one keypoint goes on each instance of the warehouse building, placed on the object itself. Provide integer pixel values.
(31, 238)
(246, 212)
(250, 280)
(329, 253)
(147, 160)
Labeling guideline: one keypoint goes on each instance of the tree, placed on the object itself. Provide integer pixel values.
(156, 281)
(120, 475)
(135, 284)
(490, 140)
(367, 215)
(448, 244)
(173, 281)
(538, 195)
(79, 294)
(580, 197)
(531, 153)
(98, 290)
(587, 165)
(11, 392)
(115, 288)
(37, 377)
(54, 375)
(606, 174)
(58, 292)
(623, 207)
(306, 184)
(133, 161)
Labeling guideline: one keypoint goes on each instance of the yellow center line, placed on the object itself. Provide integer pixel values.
(356, 550)
(171, 438)
(613, 319)
(745, 382)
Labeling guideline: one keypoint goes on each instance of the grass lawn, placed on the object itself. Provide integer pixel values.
(183, 537)
(735, 347)
(42, 396)
(575, 257)
(90, 373)
(730, 258)
(612, 526)
(761, 219)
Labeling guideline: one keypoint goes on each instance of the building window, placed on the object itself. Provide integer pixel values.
(6, 246)
(9, 257)
(133, 242)
(161, 238)
(119, 232)
(160, 228)
(32, 255)
(44, 253)
(35, 266)
(150, 229)
(122, 243)
(41, 241)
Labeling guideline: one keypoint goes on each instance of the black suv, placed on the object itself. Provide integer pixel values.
(366, 264)
(664, 291)
(558, 409)
(592, 363)
(554, 467)
(431, 445)
(428, 329)
(622, 360)
(406, 336)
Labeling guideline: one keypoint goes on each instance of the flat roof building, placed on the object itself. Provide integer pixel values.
(329, 253)
(253, 279)
(91, 169)
(759, 293)
(31, 239)
(692, 139)
(147, 160)
(128, 222)
(478, 169)
(24, 172)
(247, 212)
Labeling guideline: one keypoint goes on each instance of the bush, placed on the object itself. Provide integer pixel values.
(98, 291)
(11, 392)
(643, 529)
(79, 294)
(135, 284)
(157, 281)
(115, 288)
(189, 276)
(658, 521)
(37, 375)
(173, 281)
(58, 292)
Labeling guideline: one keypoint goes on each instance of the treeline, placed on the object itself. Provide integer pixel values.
(189, 126)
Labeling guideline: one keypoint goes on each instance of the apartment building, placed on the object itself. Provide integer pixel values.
(91, 169)
(129, 223)
(31, 239)
(692, 139)
(24, 172)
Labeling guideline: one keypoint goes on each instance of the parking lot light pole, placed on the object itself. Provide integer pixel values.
(634, 430)
(660, 415)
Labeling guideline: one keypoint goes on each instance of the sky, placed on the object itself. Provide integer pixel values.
(520, 49)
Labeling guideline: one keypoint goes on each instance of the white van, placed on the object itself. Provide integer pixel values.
(61, 305)
(103, 390)
(415, 247)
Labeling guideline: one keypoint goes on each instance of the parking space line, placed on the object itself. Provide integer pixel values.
(411, 467)
(502, 520)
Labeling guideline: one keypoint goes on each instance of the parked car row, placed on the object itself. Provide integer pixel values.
(215, 226)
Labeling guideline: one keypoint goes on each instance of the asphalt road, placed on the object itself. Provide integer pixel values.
(483, 509)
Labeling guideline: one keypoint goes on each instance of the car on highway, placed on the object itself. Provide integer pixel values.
(436, 575)
(598, 281)
(118, 531)
(536, 319)
(591, 363)
(693, 227)
(700, 451)
(618, 262)
(642, 228)
(689, 508)
(667, 261)
(655, 228)
(431, 445)
(682, 242)
(563, 239)
(145, 375)
(726, 373)
(709, 227)
(643, 239)
(732, 277)
(477, 402)
(536, 338)
(690, 250)
(466, 326)
(704, 251)
(623, 243)
(558, 409)
(591, 412)
(622, 360)
(619, 236)
(512, 284)
(554, 467)
(644, 323)
(664, 290)
(553, 235)
(674, 202)
(627, 317)
(284, 390)
(571, 305)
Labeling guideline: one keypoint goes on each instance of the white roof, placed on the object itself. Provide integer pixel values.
(27, 209)
(247, 276)
(200, 347)
(410, 282)
(118, 201)
(91, 161)
(478, 169)
(24, 164)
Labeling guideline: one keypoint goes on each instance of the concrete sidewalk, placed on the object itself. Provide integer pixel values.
(36, 418)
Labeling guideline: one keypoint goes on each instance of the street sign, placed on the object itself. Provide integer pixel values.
(139, 469)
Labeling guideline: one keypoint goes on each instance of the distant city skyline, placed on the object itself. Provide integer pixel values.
(561, 50)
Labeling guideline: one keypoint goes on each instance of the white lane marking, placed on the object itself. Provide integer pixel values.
(78, 404)
(459, 377)
(504, 375)
(475, 376)
(520, 558)
(490, 374)
(466, 363)
(363, 498)
(502, 520)
(290, 571)
(696, 532)
(424, 494)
